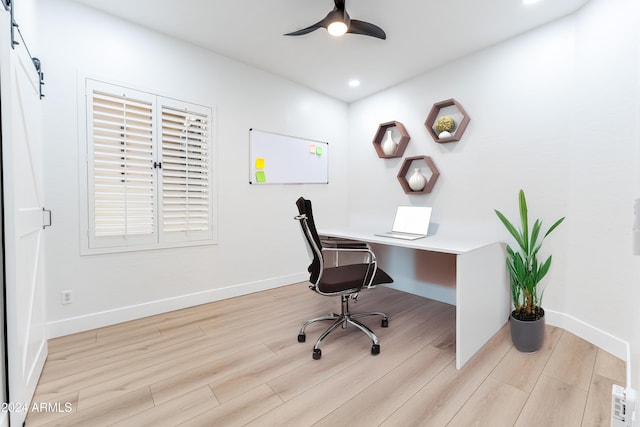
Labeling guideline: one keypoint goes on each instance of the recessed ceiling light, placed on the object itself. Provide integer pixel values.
(354, 83)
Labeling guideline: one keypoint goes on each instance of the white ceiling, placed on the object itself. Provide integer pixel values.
(421, 34)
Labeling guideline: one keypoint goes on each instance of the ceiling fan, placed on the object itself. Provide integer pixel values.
(337, 22)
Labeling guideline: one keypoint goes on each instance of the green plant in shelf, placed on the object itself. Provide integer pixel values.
(525, 269)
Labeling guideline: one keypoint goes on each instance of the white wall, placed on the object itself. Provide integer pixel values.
(555, 112)
(254, 221)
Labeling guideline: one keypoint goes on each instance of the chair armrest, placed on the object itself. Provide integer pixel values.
(338, 243)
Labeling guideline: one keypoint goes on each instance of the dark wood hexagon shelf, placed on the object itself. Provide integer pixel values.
(407, 165)
(434, 114)
(401, 143)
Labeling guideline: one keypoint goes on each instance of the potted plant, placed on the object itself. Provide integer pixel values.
(525, 273)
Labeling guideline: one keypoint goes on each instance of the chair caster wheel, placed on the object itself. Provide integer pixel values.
(385, 323)
(317, 353)
(302, 337)
(375, 349)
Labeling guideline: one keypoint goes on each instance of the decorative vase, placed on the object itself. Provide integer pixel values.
(417, 181)
(388, 145)
(527, 336)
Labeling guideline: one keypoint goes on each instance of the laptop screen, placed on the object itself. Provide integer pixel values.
(412, 219)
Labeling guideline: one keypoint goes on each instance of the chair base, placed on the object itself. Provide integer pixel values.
(344, 319)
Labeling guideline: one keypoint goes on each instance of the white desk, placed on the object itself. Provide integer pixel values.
(482, 296)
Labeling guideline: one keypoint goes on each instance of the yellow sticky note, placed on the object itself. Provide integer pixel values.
(260, 177)
(259, 163)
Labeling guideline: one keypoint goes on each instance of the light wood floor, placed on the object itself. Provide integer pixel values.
(238, 362)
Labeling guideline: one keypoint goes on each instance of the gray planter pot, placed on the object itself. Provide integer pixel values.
(527, 336)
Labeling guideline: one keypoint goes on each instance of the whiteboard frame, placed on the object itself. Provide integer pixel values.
(287, 159)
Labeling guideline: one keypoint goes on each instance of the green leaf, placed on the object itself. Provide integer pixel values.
(524, 220)
(553, 227)
(511, 229)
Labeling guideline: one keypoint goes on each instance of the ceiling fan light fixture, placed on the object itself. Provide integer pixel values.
(337, 28)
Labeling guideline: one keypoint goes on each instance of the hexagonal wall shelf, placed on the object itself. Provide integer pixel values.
(408, 165)
(439, 110)
(401, 141)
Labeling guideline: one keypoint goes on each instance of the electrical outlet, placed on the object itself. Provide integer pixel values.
(67, 297)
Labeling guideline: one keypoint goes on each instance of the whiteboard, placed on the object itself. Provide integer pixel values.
(282, 159)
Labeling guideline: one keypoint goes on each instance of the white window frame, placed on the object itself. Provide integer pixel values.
(197, 224)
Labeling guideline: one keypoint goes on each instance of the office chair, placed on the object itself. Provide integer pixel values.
(344, 280)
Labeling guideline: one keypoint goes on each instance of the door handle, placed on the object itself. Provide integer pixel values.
(44, 213)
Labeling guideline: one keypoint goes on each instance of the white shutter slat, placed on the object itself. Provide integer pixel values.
(123, 182)
(185, 171)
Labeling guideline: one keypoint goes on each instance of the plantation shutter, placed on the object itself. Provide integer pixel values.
(149, 171)
(121, 175)
(187, 198)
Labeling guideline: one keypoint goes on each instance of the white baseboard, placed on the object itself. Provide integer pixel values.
(87, 322)
(595, 336)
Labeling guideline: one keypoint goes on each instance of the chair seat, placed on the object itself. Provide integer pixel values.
(348, 278)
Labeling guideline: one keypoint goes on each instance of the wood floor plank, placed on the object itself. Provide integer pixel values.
(510, 371)
(309, 401)
(86, 358)
(67, 402)
(494, 404)
(263, 371)
(82, 377)
(175, 411)
(436, 404)
(194, 377)
(553, 403)
(374, 404)
(572, 361)
(158, 373)
(108, 412)
(238, 362)
(238, 411)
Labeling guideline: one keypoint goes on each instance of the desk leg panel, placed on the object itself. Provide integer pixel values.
(482, 299)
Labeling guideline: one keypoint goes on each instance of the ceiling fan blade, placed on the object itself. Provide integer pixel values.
(366, 29)
(306, 30)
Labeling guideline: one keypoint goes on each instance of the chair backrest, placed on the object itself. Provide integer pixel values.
(311, 235)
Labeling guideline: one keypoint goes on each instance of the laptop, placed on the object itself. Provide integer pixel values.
(410, 223)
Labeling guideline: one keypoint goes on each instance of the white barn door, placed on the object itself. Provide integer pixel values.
(24, 221)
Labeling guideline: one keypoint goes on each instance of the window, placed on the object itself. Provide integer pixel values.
(149, 170)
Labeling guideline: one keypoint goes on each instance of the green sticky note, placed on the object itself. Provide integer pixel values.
(318, 151)
(260, 177)
(259, 163)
